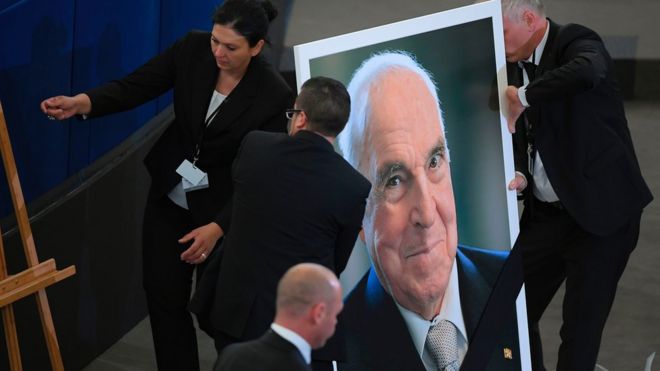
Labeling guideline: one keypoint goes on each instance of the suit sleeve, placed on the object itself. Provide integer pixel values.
(345, 242)
(582, 65)
(276, 122)
(223, 219)
(346, 238)
(142, 85)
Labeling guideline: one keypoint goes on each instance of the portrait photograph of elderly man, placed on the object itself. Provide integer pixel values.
(436, 231)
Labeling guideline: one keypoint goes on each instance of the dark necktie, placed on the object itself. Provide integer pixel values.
(530, 68)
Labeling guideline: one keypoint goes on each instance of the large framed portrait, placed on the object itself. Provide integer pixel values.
(462, 52)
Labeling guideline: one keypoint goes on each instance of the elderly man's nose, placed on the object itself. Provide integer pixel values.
(424, 208)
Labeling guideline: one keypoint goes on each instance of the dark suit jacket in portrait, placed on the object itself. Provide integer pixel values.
(296, 200)
(189, 67)
(581, 132)
(270, 352)
(373, 336)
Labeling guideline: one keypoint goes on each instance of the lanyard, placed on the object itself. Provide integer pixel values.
(198, 146)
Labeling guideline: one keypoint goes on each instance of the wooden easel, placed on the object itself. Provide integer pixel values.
(32, 280)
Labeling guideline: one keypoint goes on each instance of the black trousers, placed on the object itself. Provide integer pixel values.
(555, 248)
(168, 283)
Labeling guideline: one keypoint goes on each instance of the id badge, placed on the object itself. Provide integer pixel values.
(192, 177)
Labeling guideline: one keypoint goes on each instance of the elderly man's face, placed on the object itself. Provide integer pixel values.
(518, 41)
(410, 220)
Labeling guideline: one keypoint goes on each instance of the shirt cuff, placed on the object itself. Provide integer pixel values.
(526, 183)
(522, 95)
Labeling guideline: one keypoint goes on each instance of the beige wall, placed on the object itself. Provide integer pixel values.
(630, 28)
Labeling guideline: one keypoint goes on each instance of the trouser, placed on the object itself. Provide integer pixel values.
(168, 283)
(555, 248)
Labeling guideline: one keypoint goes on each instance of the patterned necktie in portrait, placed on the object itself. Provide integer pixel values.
(441, 344)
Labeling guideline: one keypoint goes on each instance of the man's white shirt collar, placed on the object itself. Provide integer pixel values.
(295, 339)
(541, 47)
(538, 52)
(418, 327)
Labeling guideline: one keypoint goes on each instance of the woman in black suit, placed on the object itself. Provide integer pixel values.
(221, 93)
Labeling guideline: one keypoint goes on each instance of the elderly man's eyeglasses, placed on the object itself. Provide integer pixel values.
(291, 112)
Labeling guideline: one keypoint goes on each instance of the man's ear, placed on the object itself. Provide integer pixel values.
(362, 235)
(301, 121)
(318, 312)
(529, 18)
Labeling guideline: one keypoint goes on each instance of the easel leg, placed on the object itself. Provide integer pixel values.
(13, 350)
(49, 331)
(9, 321)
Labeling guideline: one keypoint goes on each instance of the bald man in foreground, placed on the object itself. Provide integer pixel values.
(308, 301)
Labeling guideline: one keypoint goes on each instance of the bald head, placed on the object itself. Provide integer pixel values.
(305, 285)
(308, 302)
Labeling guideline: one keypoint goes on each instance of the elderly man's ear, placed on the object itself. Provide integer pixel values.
(362, 235)
(530, 19)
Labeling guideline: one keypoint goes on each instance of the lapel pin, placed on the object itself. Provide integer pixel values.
(508, 353)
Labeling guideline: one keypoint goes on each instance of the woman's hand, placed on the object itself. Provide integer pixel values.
(204, 239)
(62, 107)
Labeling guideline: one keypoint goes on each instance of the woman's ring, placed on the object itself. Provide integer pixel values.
(203, 255)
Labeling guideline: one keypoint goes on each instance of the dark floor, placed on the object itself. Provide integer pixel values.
(633, 331)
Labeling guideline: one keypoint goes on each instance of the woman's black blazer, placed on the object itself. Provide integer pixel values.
(189, 67)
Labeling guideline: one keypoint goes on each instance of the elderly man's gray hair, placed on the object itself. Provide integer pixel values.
(352, 139)
(513, 8)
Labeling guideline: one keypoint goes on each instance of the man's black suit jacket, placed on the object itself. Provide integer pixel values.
(581, 132)
(189, 67)
(270, 352)
(373, 336)
(295, 200)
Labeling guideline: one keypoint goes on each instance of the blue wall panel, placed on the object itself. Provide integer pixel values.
(35, 62)
(176, 19)
(112, 38)
(52, 47)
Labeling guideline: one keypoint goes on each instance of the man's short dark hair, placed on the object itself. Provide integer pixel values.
(326, 104)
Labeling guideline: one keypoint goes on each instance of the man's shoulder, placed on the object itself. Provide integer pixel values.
(481, 253)
(344, 178)
(261, 138)
(268, 350)
(354, 182)
(570, 32)
(486, 262)
(368, 296)
(237, 356)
